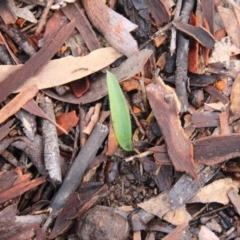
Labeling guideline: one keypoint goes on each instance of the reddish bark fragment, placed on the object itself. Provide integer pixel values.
(194, 49)
(206, 51)
(223, 118)
(16, 103)
(80, 86)
(165, 106)
(219, 34)
(67, 121)
(5, 129)
(159, 13)
(216, 93)
(19, 189)
(216, 149)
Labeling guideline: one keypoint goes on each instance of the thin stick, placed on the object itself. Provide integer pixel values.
(173, 44)
(159, 32)
(51, 147)
(43, 18)
(141, 155)
(182, 58)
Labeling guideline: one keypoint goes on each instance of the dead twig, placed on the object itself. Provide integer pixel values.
(43, 18)
(51, 147)
(173, 44)
(182, 58)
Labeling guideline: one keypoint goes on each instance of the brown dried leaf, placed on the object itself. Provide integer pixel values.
(16, 103)
(112, 25)
(220, 188)
(64, 70)
(163, 98)
(98, 89)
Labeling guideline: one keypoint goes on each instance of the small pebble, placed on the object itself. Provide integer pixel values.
(101, 223)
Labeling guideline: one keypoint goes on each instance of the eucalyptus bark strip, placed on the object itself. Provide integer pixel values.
(50, 141)
(17, 102)
(78, 168)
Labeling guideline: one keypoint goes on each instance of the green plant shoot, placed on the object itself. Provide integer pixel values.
(119, 113)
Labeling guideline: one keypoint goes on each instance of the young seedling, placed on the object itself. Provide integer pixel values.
(119, 113)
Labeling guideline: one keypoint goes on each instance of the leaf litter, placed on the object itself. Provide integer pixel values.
(181, 178)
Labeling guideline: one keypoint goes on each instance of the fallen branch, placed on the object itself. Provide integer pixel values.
(78, 168)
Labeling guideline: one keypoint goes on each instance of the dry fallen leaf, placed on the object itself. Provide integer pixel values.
(158, 206)
(220, 189)
(177, 217)
(67, 69)
(206, 234)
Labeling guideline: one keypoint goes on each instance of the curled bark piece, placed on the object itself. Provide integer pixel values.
(198, 33)
(112, 25)
(164, 100)
(75, 173)
(50, 141)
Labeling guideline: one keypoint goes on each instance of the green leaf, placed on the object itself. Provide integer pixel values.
(119, 113)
